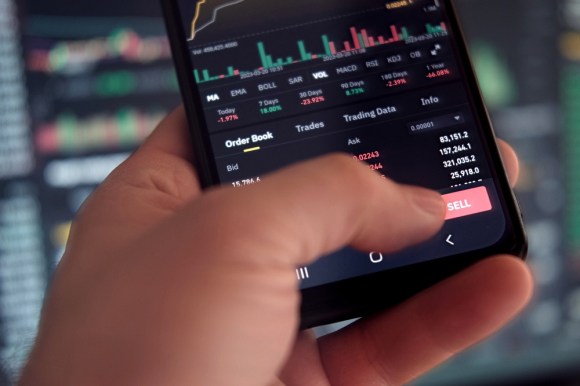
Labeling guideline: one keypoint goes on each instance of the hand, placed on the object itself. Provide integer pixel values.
(162, 284)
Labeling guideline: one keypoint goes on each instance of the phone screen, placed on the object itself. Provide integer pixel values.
(385, 81)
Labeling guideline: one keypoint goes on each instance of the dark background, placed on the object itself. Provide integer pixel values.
(527, 54)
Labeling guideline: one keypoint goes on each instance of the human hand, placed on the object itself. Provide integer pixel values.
(163, 285)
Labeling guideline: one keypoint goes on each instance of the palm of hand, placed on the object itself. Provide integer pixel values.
(161, 285)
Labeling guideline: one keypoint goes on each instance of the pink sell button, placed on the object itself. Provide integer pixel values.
(467, 202)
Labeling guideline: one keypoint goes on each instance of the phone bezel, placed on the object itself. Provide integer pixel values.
(367, 294)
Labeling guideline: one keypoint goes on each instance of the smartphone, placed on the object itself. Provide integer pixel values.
(269, 83)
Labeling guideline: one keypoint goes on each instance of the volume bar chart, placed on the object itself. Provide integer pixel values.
(206, 77)
(359, 39)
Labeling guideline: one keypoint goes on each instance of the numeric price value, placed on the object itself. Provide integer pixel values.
(454, 137)
(459, 161)
(465, 173)
(456, 149)
(246, 182)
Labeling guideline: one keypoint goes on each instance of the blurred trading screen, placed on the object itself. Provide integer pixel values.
(82, 84)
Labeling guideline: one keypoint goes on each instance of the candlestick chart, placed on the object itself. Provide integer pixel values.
(217, 55)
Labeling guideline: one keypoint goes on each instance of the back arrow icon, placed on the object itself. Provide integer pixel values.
(448, 240)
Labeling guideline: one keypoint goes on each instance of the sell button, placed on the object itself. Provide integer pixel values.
(467, 202)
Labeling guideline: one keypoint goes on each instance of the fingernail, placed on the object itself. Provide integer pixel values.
(428, 201)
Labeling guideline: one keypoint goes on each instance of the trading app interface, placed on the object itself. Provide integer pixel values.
(378, 80)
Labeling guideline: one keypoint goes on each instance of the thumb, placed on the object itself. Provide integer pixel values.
(230, 260)
(210, 296)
